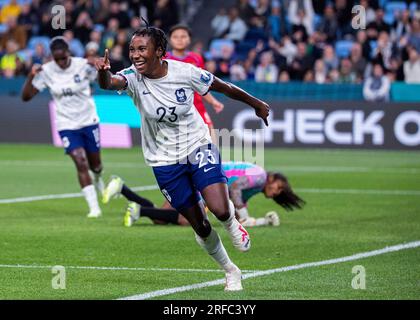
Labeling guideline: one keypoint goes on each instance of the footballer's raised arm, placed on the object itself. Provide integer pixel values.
(262, 109)
(106, 79)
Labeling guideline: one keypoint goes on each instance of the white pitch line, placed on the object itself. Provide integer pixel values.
(362, 255)
(64, 195)
(362, 191)
(26, 266)
(314, 169)
(155, 187)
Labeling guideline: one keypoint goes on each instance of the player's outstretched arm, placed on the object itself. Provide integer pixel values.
(262, 109)
(106, 79)
(29, 91)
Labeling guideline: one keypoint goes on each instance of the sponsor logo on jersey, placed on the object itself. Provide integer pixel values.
(76, 78)
(180, 95)
(205, 77)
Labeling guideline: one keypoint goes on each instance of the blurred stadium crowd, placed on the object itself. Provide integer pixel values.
(261, 40)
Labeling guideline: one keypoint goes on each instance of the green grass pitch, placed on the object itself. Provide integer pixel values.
(357, 201)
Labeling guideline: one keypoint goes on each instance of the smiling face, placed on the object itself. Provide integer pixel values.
(144, 55)
(62, 58)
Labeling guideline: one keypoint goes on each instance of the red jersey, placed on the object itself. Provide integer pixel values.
(197, 60)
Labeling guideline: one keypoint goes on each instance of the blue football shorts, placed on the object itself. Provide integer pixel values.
(86, 137)
(181, 183)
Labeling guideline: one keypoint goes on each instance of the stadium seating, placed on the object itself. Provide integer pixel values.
(343, 47)
(45, 41)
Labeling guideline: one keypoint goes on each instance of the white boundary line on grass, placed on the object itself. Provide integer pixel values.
(315, 168)
(155, 187)
(357, 256)
(28, 266)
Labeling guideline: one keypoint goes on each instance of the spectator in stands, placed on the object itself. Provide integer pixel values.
(320, 75)
(96, 36)
(166, 14)
(309, 76)
(347, 75)
(12, 9)
(362, 39)
(14, 32)
(83, 27)
(412, 66)
(76, 47)
(246, 11)
(414, 34)
(115, 12)
(91, 51)
(274, 23)
(237, 28)
(301, 17)
(102, 12)
(301, 63)
(262, 11)
(369, 11)
(343, 10)
(383, 50)
(284, 76)
(401, 26)
(39, 56)
(11, 64)
(135, 24)
(376, 87)
(330, 59)
(358, 61)
(286, 48)
(122, 40)
(238, 72)
(378, 25)
(220, 23)
(266, 70)
(329, 24)
(108, 37)
(117, 59)
(28, 20)
(396, 70)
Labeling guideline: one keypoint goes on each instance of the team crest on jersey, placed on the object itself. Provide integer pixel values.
(76, 78)
(205, 77)
(180, 95)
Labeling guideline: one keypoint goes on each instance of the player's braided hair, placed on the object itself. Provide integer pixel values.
(157, 35)
(58, 43)
(287, 198)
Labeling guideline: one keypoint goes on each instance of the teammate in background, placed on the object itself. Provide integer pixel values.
(244, 181)
(68, 80)
(180, 39)
(176, 142)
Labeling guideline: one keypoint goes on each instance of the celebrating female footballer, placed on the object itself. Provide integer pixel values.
(176, 142)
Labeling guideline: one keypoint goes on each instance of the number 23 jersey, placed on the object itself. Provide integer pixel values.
(171, 126)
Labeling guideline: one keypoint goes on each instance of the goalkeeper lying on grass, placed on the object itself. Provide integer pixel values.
(244, 181)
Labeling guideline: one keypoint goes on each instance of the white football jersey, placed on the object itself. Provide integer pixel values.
(171, 127)
(70, 89)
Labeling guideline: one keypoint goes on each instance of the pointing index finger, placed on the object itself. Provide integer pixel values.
(106, 59)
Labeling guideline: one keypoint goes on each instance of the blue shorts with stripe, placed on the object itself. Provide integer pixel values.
(181, 183)
(86, 137)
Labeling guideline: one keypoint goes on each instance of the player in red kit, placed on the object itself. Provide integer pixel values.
(180, 39)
